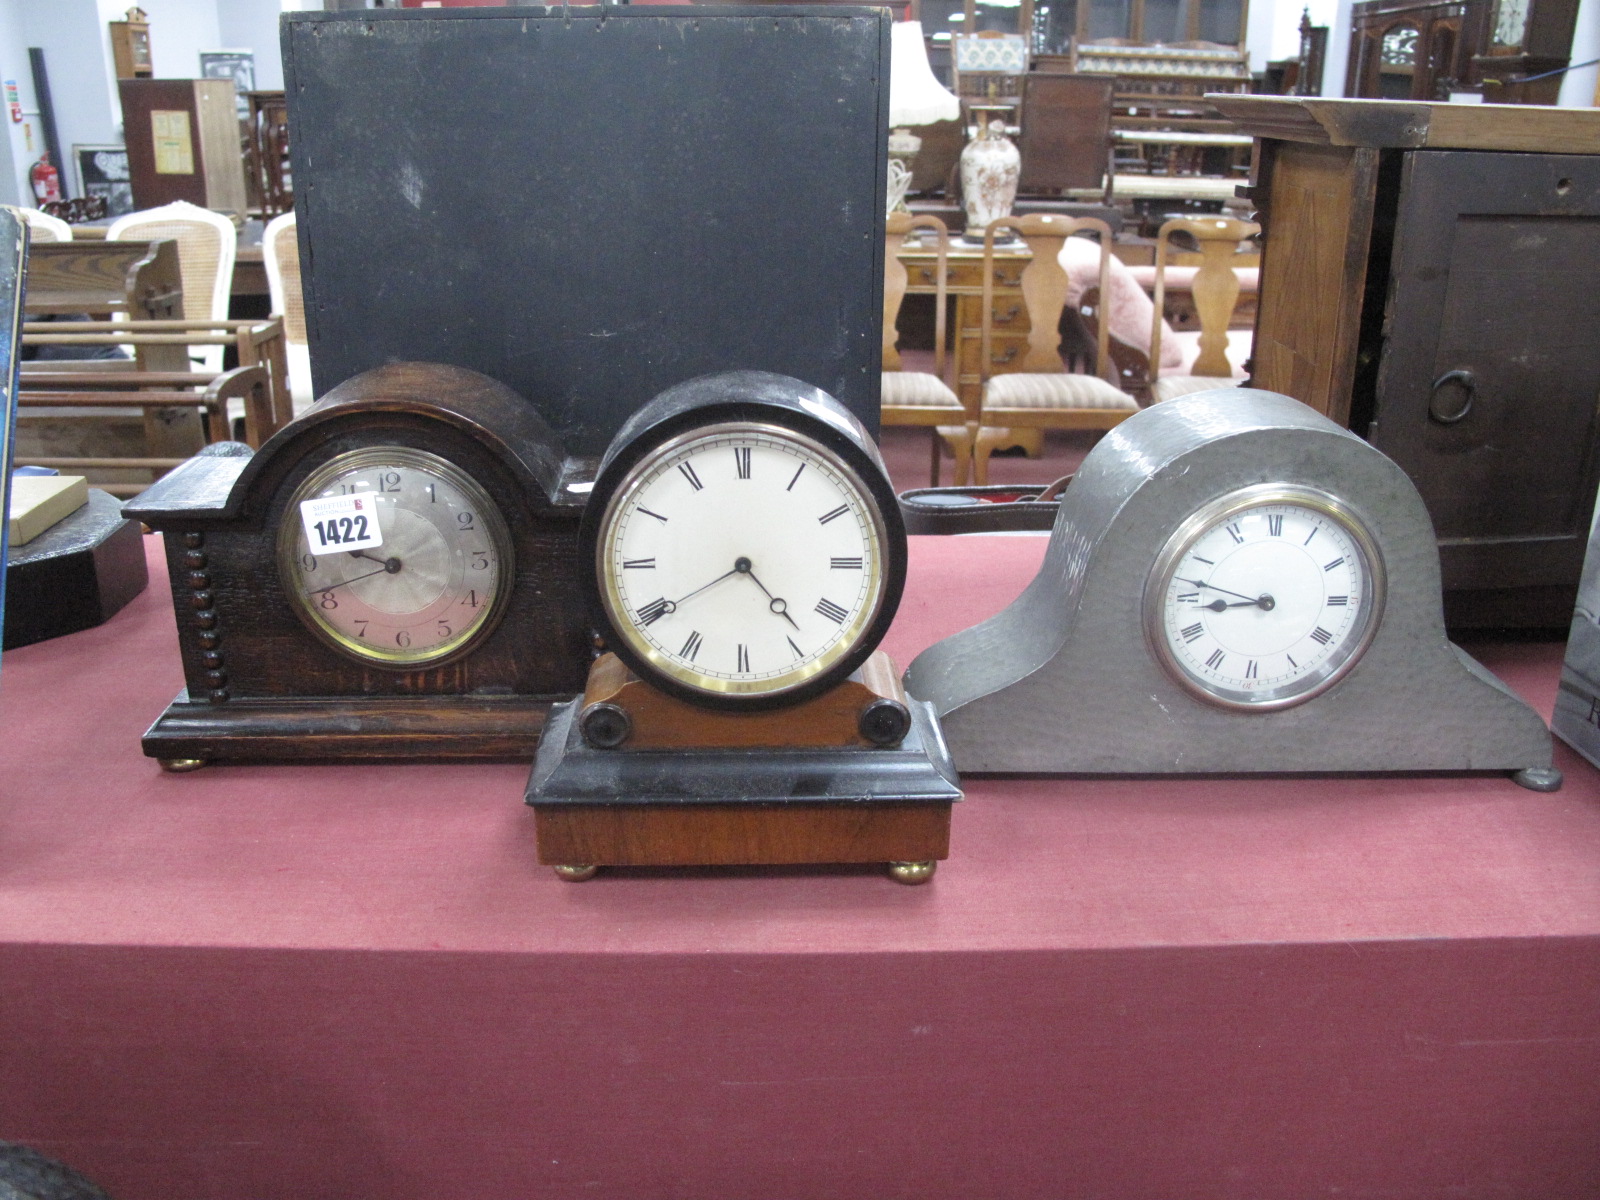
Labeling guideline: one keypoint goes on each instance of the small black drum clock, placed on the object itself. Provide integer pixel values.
(744, 555)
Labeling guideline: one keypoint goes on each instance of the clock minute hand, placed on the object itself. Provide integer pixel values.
(703, 587)
(358, 578)
(1215, 588)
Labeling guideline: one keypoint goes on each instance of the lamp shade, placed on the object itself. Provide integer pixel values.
(916, 97)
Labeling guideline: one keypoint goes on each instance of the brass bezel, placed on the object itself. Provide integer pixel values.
(1213, 513)
(710, 685)
(290, 534)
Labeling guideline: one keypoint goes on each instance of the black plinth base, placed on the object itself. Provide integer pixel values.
(569, 771)
(75, 575)
(723, 807)
(193, 732)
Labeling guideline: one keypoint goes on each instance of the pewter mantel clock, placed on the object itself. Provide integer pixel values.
(743, 556)
(392, 575)
(1233, 584)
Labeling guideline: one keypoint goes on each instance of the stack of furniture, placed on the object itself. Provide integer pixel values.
(1163, 87)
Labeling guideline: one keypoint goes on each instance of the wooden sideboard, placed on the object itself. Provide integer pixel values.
(1431, 279)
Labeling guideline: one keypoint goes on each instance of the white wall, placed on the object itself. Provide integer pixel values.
(77, 59)
(1274, 35)
(1578, 87)
(179, 30)
(14, 66)
(253, 25)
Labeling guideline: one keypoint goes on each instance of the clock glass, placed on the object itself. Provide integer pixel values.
(394, 556)
(1265, 597)
(741, 560)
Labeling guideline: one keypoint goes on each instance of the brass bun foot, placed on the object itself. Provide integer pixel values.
(912, 872)
(179, 765)
(575, 872)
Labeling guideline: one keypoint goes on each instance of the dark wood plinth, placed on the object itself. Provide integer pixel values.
(676, 835)
(75, 575)
(340, 729)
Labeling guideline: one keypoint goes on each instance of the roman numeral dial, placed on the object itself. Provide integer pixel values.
(741, 560)
(1265, 597)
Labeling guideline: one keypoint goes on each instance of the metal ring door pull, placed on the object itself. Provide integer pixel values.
(1469, 384)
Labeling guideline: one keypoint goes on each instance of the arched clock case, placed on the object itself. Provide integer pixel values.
(433, 612)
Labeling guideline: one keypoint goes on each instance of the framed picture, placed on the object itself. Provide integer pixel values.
(103, 171)
(237, 65)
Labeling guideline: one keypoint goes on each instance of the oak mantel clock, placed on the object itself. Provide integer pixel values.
(743, 555)
(392, 575)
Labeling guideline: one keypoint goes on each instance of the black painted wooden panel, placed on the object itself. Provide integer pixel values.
(592, 205)
(1496, 272)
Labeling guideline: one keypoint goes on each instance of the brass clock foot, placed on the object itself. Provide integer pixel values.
(912, 872)
(179, 765)
(575, 872)
(1538, 779)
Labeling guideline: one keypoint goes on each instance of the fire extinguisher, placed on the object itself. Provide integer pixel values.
(46, 180)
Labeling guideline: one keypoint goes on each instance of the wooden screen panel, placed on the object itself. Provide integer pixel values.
(1313, 272)
(1496, 272)
(1066, 131)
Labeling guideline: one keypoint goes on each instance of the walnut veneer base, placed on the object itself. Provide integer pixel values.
(692, 787)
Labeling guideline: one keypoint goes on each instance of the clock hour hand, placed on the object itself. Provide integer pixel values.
(1220, 605)
(777, 605)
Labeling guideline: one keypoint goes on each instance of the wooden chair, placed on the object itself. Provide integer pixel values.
(917, 397)
(42, 227)
(208, 243)
(280, 249)
(1208, 364)
(1040, 393)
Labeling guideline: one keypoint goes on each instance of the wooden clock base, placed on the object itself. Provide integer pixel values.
(684, 786)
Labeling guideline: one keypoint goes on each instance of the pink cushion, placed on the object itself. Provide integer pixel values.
(1130, 310)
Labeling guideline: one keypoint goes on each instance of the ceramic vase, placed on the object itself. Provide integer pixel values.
(990, 165)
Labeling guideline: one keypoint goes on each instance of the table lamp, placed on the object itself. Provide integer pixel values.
(916, 97)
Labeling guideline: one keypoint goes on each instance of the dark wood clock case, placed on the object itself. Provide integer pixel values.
(261, 686)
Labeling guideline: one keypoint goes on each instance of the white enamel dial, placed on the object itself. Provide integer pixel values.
(431, 588)
(1265, 597)
(741, 560)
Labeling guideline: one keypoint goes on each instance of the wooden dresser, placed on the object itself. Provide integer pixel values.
(1431, 279)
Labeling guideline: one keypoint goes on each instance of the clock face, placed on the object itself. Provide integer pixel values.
(1265, 597)
(741, 561)
(394, 556)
